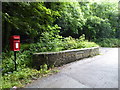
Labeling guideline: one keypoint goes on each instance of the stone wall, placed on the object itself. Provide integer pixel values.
(63, 57)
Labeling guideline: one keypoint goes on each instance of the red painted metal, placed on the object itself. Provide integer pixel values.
(15, 43)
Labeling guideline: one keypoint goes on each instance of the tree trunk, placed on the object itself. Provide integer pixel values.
(6, 35)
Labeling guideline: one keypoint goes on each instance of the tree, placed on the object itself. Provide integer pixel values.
(26, 19)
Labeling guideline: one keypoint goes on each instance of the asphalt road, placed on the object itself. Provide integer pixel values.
(100, 71)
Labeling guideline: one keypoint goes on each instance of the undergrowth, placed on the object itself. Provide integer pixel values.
(24, 76)
(108, 42)
(25, 72)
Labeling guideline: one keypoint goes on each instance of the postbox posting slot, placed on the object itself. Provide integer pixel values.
(16, 39)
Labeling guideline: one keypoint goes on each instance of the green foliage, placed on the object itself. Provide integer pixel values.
(82, 43)
(17, 78)
(69, 43)
(44, 69)
(99, 19)
(96, 27)
(71, 20)
(109, 12)
(108, 42)
(50, 42)
(23, 60)
(59, 43)
(27, 19)
(51, 26)
(95, 20)
(21, 77)
(35, 20)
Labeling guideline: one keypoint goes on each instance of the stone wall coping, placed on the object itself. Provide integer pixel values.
(73, 50)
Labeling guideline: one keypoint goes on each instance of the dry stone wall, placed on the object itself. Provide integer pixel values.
(63, 57)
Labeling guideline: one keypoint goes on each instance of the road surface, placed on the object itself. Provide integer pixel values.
(100, 71)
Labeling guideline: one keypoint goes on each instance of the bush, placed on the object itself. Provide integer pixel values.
(23, 60)
(21, 77)
(59, 43)
(69, 43)
(108, 42)
(82, 43)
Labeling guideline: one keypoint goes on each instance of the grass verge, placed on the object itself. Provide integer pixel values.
(24, 76)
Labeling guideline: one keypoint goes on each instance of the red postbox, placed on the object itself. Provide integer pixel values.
(15, 43)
